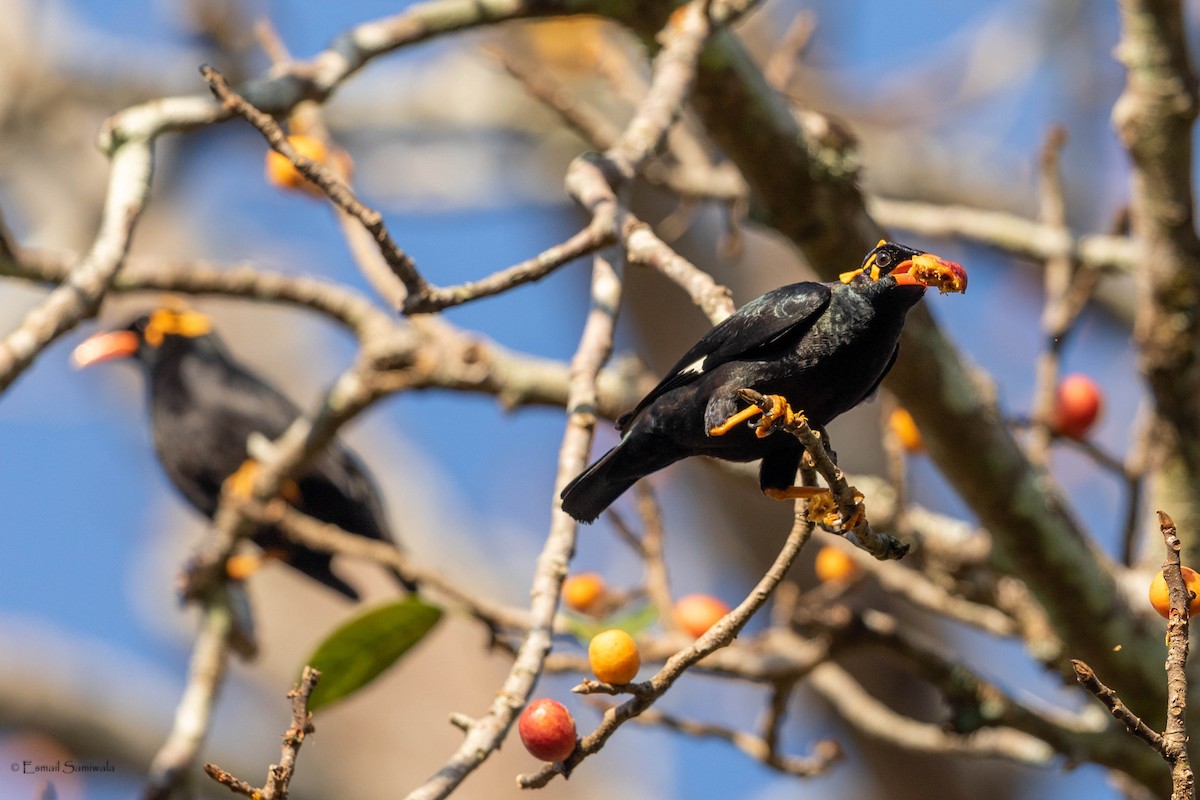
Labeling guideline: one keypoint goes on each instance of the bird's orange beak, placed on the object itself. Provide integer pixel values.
(104, 347)
(929, 270)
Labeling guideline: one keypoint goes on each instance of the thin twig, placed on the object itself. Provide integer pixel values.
(1056, 315)
(875, 719)
(338, 192)
(1121, 712)
(824, 753)
(849, 501)
(435, 298)
(719, 635)
(328, 538)
(279, 775)
(658, 586)
(486, 734)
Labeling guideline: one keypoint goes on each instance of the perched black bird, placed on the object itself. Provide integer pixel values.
(823, 346)
(204, 407)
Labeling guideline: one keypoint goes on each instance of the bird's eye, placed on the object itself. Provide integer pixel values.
(883, 259)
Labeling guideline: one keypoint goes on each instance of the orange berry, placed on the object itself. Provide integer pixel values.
(614, 656)
(696, 613)
(283, 173)
(547, 730)
(584, 591)
(906, 430)
(834, 566)
(1160, 598)
(1077, 404)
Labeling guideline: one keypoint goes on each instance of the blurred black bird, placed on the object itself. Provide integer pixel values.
(824, 347)
(204, 407)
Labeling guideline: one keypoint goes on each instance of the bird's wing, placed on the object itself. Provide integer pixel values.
(875, 386)
(336, 488)
(756, 326)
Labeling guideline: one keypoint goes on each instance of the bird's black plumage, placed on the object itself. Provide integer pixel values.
(204, 407)
(823, 346)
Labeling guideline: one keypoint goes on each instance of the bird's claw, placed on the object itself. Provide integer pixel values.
(777, 409)
(823, 509)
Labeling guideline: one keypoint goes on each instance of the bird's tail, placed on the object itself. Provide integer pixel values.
(595, 489)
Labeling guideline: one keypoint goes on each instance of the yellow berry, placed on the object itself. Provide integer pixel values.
(906, 430)
(1160, 597)
(583, 592)
(283, 173)
(834, 566)
(614, 656)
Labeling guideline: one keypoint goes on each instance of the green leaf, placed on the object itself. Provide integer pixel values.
(357, 652)
(633, 623)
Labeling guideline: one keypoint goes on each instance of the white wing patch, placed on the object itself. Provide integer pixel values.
(694, 368)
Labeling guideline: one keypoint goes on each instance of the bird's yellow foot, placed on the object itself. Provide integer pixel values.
(748, 413)
(822, 507)
(777, 408)
(241, 483)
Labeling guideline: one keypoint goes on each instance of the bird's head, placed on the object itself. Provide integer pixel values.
(910, 267)
(151, 337)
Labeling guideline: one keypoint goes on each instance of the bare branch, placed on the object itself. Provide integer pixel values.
(1132, 722)
(279, 775)
(485, 735)
(338, 192)
(1175, 736)
(1154, 118)
(875, 719)
(206, 672)
(80, 295)
(719, 635)
(1017, 235)
(825, 752)
(849, 501)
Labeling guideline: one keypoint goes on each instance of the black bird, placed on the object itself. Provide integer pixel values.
(823, 346)
(204, 406)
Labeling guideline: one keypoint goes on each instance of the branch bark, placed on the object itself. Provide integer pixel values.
(1154, 118)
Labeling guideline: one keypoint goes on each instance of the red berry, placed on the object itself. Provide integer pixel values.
(547, 730)
(1077, 405)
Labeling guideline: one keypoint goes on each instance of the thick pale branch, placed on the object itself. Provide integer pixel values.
(1013, 234)
(80, 295)
(1154, 118)
(875, 719)
(210, 654)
